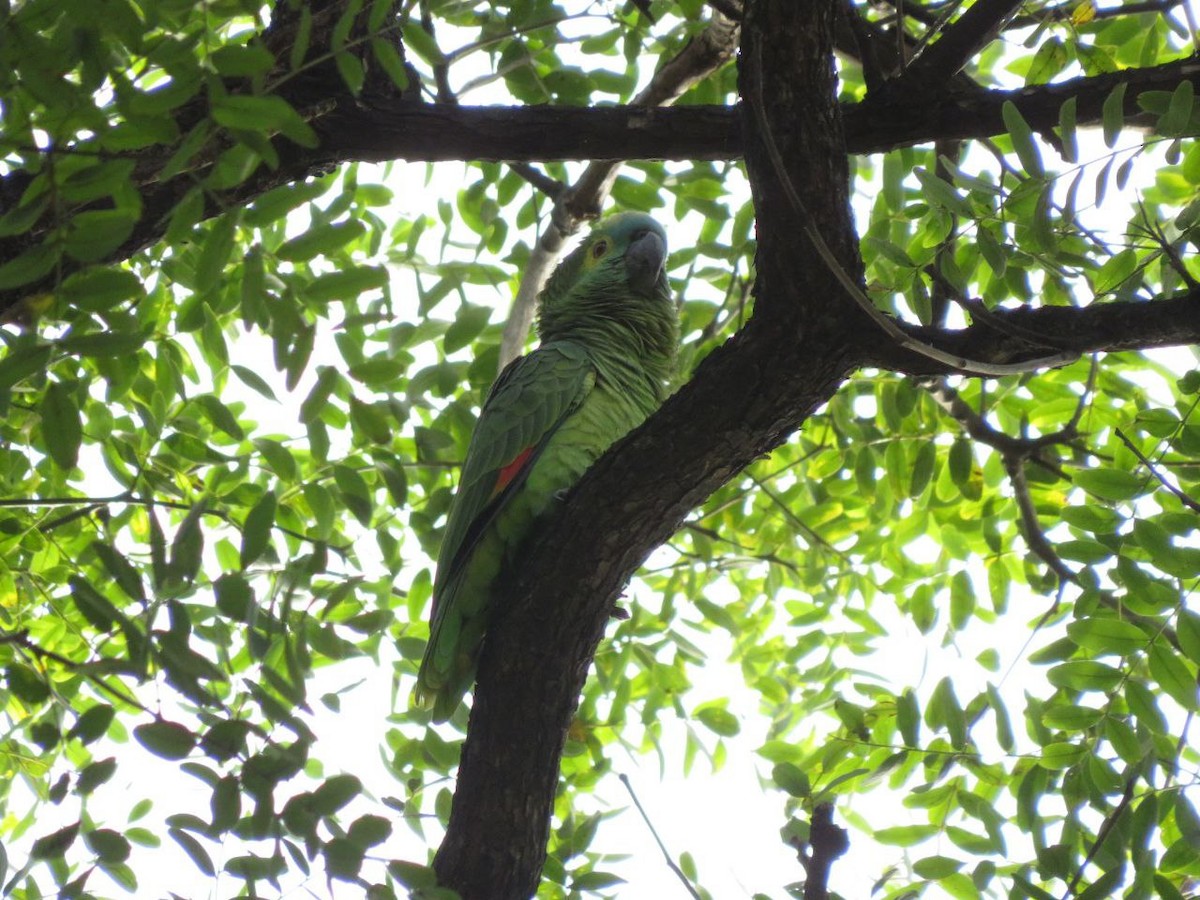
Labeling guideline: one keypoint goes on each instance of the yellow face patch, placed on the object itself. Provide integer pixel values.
(598, 249)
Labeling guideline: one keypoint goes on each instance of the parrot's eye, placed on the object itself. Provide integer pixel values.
(599, 248)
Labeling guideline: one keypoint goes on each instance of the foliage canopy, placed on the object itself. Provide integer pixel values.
(192, 538)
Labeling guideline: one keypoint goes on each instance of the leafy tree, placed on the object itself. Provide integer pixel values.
(945, 413)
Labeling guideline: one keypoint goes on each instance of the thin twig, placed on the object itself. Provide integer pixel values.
(551, 187)
(661, 846)
(1105, 828)
(1031, 528)
(133, 500)
(21, 639)
(1015, 453)
(441, 69)
(1186, 500)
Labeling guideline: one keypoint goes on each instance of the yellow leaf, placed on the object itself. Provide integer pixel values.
(1083, 13)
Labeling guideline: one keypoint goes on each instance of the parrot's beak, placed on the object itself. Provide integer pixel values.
(644, 262)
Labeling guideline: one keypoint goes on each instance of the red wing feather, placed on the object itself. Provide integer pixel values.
(507, 473)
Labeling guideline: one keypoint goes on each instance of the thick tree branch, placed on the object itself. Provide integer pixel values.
(900, 117)
(1115, 326)
(826, 842)
(745, 399)
(388, 128)
(970, 33)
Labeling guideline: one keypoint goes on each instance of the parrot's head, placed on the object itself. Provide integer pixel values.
(617, 273)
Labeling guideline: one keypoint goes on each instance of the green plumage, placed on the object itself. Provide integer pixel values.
(609, 332)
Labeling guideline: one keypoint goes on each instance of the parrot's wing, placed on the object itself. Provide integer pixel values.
(530, 399)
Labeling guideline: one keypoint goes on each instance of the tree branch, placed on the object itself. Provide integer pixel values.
(671, 864)
(1162, 479)
(383, 128)
(971, 32)
(1108, 326)
(826, 842)
(746, 397)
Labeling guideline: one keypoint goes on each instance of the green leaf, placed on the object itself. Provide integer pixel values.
(1116, 270)
(334, 793)
(719, 721)
(908, 718)
(108, 845)
(321, 240)
(467, 325)
(345, 284)
(792, 779)
(62, 425)
(170, 740)
(1187, 628)
(1112, 114)
(368, 831)
(124, 573)
(96, 234)
(922, 468)
(421, 42)
(355, 493)
(195, 851)
(1022, 138)
(103, 344)
(256, 531)
(215, 253)
(324, 510)
(26, 684)
(1174, 675)
(95, 774)
(944, 711)
(242, 60)
(1109, 484)
(92, 723)
(55, 844)
(1107, 635)
(1061, 755)
(1084, 675)
(263, 114)
(188, 546)
(595, 881)
(1179, 113)
(1050, 59)
(905, 835)
(225, 804)
(94, 606)
(343, 859)
(218, 413)
(234, 597)
(391, 62)
(935, 867)
(253, 380)
(1004, 733)
(29, 266)
(98, 289)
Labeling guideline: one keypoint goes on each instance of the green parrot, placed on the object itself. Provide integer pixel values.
(609, 332)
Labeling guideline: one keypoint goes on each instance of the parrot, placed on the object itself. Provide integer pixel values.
(608, 330)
